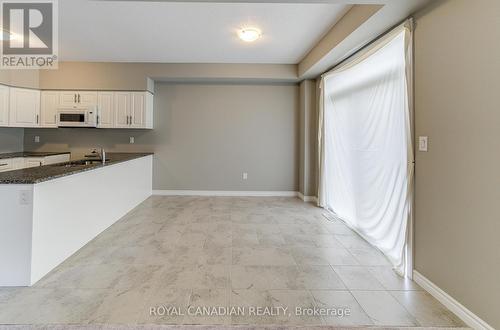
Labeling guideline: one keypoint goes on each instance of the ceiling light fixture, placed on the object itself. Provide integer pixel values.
(249, 34)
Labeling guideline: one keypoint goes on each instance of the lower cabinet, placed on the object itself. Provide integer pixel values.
(12, 164)
(6, 165)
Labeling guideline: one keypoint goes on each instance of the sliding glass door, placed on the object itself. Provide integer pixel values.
(367, 157)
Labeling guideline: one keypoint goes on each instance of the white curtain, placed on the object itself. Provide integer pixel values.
(366, 153)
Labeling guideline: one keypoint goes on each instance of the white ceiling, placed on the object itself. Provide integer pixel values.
(172, 32)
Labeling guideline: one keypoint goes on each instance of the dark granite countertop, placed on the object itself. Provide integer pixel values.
(23, 154)
(39, 174)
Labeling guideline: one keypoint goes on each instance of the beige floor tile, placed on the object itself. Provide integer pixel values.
(51, 306)
(265, 277)
(353, 242)
(165, 305)
(205, 307)
(427, 310)
(262, 257)
(392, 281)
(370, 257)
(174, 252)
(384, 309)
(323, 256)
(345, 310)
(357, 278)
(199, 276)
(318, 277)
(121, 306)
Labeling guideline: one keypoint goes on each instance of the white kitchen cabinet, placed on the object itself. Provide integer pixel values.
(86, 99)
(105, 109)
(24, 107)
(33, 162)
(138, 110)
(17, 163)
(48, 160)
(4, 105)
(6, 165)
(133, 110)
(75, 99)
(49, 108)
(122, 106)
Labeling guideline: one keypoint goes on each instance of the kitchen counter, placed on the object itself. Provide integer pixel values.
(50, 213)
(26, 154)
(49, 172)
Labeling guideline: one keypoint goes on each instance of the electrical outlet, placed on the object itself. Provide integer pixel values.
(132, 140)
(37, 139)
(423, 143)
(245, 176)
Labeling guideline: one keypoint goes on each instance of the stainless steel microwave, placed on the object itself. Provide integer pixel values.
(77, 117)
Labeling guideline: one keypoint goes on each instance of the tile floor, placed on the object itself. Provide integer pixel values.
(175, 254)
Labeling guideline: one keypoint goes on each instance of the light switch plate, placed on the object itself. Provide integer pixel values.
(132, 140)
(37, 139)
(423, 143)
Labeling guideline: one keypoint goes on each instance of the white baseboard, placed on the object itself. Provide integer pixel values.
(222, 193)
(469, 318)
(307, 199)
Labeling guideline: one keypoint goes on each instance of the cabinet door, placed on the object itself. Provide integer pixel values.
(4, 105)
(106, 111)
(33, 162)
(122, 109)
(24, 107)
(6, 165)
(48, 110)
(68, 99)
(56, 159)
(86, 99)
(138, 110)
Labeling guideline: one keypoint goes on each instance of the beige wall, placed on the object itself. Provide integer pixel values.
(20, 78)
(457, 63)
(206, 136)
(308, 138)
(133, 76)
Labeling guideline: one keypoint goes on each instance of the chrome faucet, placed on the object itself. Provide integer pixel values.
(101, 154)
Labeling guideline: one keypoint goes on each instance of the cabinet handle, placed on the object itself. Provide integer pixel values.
(37, 119)
(4, 164)
(79, 98)
(75, 98)
(97, 119)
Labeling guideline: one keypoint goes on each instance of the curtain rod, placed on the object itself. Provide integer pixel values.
(355, 52)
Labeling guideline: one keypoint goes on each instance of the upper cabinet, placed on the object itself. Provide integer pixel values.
(4, 105)
(49, 106)
(24, 107)
(20, 107)
(75, 99)
(105, 110)
(133, 110)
